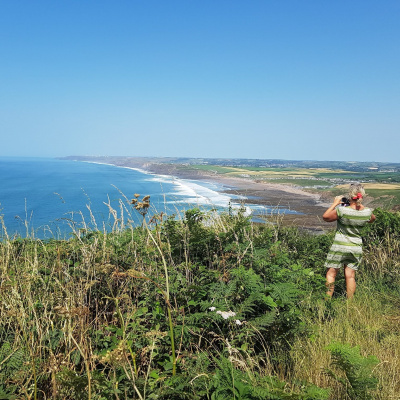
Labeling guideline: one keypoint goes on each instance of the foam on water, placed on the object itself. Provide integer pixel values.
(187, 191)
(203, 193)
(46, 192)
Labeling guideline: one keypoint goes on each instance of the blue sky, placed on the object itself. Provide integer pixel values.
(286, 79)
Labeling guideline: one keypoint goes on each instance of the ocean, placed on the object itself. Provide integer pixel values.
(49, 198)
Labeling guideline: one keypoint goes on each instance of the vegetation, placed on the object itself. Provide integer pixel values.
(203, 307)
(382, 186)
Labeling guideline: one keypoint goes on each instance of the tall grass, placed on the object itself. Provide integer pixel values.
(138, 312)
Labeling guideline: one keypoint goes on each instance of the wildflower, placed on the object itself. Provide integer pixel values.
(212, 308)
(226, 314)
(237, 322)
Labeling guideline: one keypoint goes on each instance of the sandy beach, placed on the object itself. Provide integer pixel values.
(310, 206)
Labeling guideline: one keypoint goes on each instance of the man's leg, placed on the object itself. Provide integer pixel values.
(330, 280)
(350, 275)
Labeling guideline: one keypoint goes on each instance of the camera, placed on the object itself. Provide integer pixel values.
(345, 202)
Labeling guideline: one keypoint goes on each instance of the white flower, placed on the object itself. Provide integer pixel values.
(226, 314)
(212, 308)
(237, 322)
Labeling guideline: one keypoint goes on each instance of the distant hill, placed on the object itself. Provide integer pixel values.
(356, 166)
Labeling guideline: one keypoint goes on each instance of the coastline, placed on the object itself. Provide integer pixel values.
(309, 206)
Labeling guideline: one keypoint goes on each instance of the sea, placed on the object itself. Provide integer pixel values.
(48, 198)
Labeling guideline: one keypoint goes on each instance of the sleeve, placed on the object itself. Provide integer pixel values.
(339, 211)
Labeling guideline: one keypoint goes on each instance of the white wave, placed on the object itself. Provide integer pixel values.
(201, 194)
(185, 191)
(188, 191)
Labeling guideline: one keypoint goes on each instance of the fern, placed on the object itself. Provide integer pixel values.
(12, 362)
(313, 392)
(359, 381)
(230, 383)
(285, 294)
(265, 320)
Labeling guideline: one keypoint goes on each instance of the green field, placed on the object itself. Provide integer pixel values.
(386, 196)
(214, 168)
(302, 182)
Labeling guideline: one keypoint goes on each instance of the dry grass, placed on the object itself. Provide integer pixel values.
(370, 321)
(362, 323)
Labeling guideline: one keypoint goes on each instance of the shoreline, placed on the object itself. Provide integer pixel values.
(270, 195)
(309, 207)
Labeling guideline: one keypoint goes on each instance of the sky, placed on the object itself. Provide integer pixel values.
(296, 80)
